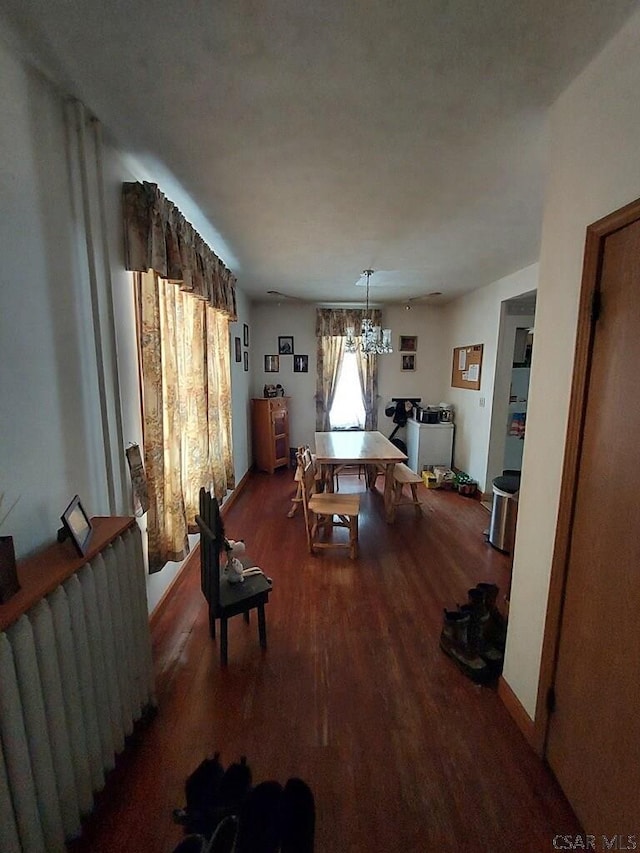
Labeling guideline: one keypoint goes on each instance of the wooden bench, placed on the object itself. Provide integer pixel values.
(404, 476)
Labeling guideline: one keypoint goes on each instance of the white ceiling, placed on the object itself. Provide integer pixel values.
(322, 138)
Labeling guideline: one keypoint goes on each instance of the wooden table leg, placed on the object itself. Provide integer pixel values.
(329, 477)
(388, 491)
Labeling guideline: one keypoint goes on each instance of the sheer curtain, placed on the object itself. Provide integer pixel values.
(331, 326)
(186, 402)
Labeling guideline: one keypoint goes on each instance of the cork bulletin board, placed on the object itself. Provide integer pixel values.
(467, 367)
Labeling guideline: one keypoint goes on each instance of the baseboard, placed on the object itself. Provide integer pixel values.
(517, 712)
(194, 555)
(235, 494)
(157, 611)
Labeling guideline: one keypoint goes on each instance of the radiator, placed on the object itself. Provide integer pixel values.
(75, 675)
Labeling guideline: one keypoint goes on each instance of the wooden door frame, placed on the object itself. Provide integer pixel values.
(591, 272)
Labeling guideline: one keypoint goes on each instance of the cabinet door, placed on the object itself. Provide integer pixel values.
(280, 422)
(280, 425)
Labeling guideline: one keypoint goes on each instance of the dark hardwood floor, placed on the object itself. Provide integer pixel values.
(353, 694)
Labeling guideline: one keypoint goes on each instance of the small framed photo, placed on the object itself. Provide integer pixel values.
(246, 361)
(301, 364)
(271, 363)
(408, 362)
(238, 350)
(285, 345)
(76, 526)
(408, 343)
(245, 334)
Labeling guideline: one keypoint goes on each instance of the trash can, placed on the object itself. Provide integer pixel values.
(504, 513)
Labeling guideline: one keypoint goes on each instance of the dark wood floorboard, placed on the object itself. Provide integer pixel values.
(353, 694)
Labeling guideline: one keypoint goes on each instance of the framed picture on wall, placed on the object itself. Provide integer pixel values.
(408, 362)
(408, 343)
(285, 345)
(301, 364)
(246, 361)
(238, 349)
(245, 335)
(271, 364)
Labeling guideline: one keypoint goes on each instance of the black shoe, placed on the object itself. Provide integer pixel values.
(259, 820)
(298, 818)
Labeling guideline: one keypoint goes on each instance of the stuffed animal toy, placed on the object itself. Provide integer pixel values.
(233, 570)
(234, 547)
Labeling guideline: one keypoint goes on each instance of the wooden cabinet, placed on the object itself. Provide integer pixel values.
(270, 428)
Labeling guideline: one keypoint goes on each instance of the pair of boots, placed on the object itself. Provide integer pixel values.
(224, 813)
(212, 794)
(474, 635)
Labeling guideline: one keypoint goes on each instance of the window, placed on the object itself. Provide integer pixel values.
(347, 411)
(185, 367)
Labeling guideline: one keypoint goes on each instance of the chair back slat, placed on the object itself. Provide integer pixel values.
(211, 540)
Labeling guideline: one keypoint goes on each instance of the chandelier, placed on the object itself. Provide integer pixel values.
(373, 339)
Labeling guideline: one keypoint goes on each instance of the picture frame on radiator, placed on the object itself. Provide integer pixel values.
(76, 525)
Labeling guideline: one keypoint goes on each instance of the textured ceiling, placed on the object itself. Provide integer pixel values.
(322, 138)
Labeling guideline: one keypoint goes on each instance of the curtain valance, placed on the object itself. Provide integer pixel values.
(158, 237)
(334, 321)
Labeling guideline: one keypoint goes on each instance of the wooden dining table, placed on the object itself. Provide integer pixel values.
(358, 447)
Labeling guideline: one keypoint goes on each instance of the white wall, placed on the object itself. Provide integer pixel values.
(424, 321)
(268, 321)
(50, 442)
(475, 319)
(240, 389)
(51, 439)
(595, 169)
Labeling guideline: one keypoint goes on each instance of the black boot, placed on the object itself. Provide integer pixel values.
(454, 641)
(497, 628)
(259, 820)
(477, 638)
(298, 818)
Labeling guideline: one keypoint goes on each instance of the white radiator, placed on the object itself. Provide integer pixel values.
(75, 675)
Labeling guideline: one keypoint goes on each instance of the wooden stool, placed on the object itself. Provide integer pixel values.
(403, 476)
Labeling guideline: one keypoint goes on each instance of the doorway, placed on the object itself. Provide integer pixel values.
(587, 702)
(510, 388)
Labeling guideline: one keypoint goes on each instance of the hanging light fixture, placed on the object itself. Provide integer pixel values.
(373, 339)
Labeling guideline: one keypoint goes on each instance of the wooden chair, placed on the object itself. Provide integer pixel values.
(322, 510)
(227, 599)
(304, 452)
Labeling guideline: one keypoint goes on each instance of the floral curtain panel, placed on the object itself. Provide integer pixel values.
(159, 238)
(186, 391)
(331, 329)
(368, 372)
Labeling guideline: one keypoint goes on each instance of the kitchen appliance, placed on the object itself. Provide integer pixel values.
(445, 413)
(428, 445)
(430, 415)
